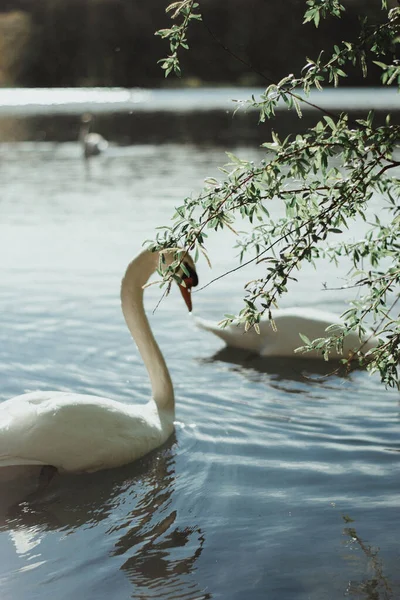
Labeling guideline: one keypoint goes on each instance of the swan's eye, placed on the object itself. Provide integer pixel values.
(192, 280)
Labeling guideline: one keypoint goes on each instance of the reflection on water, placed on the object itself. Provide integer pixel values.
(133, 506)
(279, 368)
(161, 551)
(246, 501)
(376, 586)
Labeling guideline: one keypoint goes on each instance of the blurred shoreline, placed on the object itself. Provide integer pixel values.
(217, 115)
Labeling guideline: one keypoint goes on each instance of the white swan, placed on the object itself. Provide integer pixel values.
(93, 144)
(74, 432)
(290, 322)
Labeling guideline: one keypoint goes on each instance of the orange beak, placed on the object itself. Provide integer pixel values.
(187, 292)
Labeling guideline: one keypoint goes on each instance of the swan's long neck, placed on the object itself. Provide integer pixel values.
(137, 274)
(83, 132)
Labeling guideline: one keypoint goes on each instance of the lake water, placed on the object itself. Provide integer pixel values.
(248, 500)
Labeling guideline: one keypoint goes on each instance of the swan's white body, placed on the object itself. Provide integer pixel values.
(93, 144)
(75, 432)
(289, 322)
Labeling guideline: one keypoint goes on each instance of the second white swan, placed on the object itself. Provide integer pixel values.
(93, 144)
(284, 340)
(75, 432)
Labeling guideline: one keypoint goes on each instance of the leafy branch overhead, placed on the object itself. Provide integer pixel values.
(183, 12)
(325, 179)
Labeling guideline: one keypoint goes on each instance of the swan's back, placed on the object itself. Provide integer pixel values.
(76, 432)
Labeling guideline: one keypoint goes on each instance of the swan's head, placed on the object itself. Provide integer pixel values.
(185, 275)
(86, 118)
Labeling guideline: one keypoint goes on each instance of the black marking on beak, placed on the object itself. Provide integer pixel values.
(192, 280)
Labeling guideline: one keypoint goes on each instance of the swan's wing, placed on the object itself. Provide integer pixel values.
(76, 432)
(313, 324)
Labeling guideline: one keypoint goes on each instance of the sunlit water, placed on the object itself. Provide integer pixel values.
(35, 101)
(247, 500)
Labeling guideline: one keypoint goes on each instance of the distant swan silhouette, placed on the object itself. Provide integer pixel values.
(93, 144)
(290, 322)
(75, 432)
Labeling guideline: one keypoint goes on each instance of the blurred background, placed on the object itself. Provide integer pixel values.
(68, 43)
(111, 43)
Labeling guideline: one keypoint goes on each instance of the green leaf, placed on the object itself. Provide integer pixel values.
(330, 122)
(305, 339)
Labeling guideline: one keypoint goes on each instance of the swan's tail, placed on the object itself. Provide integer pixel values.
(207, 325)
(234, 335)
(214, 328)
